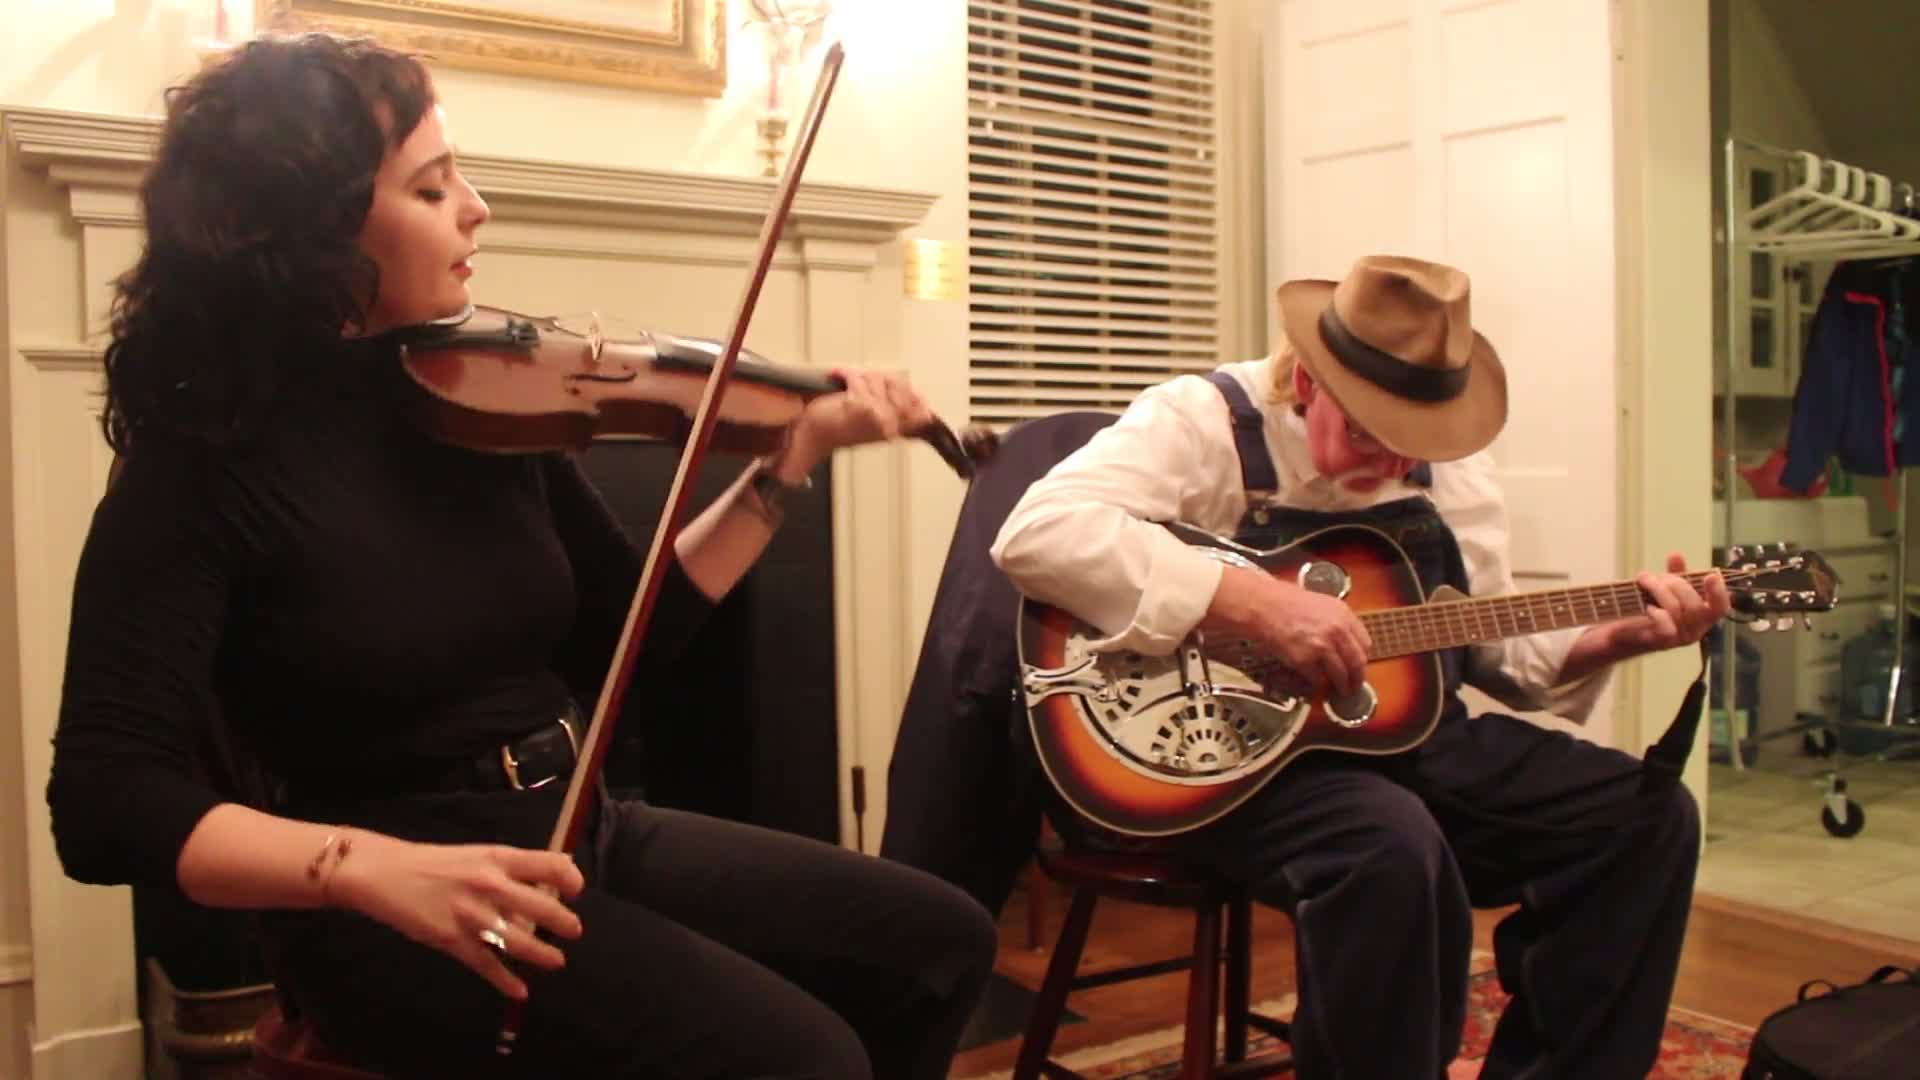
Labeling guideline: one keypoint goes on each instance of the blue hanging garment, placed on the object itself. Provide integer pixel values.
(1854, 399)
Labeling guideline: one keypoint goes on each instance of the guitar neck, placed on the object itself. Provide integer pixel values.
(1453, 623)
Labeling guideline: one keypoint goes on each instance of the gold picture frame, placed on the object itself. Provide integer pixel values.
(678, 46)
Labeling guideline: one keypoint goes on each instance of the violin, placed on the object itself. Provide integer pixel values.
(492, 379)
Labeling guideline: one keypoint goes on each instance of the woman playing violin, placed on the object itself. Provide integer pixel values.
(398, 631)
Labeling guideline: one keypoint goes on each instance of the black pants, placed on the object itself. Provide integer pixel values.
(1382, 863)
(710, 949)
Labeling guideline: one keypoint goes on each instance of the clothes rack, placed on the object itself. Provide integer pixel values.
(1827, 210)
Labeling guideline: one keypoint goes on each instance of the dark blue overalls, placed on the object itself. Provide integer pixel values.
(1382, 860)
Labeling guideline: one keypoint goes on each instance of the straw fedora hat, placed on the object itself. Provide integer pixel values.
(1394, 344)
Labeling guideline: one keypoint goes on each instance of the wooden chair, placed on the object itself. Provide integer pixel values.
(1162, 882)
(286, 1049)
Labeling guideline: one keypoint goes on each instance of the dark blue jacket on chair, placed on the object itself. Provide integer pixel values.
(964, 798)
(1845, 406)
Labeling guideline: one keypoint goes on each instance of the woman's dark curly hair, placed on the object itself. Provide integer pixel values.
(253, 206)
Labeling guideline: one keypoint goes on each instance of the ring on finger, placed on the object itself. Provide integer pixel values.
(495, 936)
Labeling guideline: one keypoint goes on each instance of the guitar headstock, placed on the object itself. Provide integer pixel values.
(1770, 583)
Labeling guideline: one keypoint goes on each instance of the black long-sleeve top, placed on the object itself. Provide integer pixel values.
(353, 601)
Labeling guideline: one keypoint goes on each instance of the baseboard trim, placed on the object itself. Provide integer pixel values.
(1811, 925)
(115, 1053)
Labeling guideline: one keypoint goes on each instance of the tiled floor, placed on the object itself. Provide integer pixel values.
(1766, 844)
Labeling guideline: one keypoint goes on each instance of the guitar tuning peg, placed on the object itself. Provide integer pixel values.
(1806, 621)
(1762, 625)
(1736, 553)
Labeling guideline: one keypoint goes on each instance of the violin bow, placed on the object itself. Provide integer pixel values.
(593, 747)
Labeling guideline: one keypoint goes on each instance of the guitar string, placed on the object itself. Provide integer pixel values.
(1403, 641)
(1419, 629)
(1414, 628)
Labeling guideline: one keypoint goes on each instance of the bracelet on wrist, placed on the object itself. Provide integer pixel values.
(326, 861)
(770, 492)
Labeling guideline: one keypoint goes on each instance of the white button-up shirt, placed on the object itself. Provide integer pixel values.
(1083, 537)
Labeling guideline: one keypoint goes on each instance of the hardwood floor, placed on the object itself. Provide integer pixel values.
(1739, 964)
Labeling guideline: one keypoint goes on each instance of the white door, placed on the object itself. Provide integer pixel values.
(1476, 133)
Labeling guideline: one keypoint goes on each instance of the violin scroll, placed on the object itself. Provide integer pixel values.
(965, 451)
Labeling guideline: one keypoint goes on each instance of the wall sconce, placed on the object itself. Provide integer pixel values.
(932, 270)
(790, 30)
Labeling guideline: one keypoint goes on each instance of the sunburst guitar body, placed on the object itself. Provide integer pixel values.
(1160, 745)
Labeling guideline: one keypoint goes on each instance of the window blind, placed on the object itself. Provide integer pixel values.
(1093, 193)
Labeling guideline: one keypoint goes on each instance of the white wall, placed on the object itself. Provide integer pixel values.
(1767, 102)
(903, 71)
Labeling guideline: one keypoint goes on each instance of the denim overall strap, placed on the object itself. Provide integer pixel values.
(1257, 474)
(1412, 523)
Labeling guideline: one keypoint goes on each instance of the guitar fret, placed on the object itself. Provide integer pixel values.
(1426, 627)
(1450, 624)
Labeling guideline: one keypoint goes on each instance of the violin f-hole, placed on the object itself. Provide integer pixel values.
(625, 376)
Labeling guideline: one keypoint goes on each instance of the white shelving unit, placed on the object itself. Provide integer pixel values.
(1790, 215)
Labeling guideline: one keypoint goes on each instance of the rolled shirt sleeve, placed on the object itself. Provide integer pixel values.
(1085, 537)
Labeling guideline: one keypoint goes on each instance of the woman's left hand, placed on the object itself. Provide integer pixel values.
(875, 407)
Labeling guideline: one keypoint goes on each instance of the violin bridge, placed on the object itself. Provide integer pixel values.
(596, 339)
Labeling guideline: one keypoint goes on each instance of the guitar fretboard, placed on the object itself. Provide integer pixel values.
(1453, 623)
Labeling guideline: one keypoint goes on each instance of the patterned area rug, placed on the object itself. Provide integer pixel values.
(1696, 1047)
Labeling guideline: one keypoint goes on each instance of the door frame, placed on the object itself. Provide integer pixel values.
(1663, 184)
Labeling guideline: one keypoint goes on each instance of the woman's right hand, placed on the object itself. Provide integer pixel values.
(444, 895)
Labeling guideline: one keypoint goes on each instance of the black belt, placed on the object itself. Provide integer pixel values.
(543, 756)
(535, 760)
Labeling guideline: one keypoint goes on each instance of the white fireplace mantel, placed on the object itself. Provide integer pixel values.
(680, 242)
(91, 151)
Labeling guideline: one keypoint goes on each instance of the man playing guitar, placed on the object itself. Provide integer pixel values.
(1376, 410)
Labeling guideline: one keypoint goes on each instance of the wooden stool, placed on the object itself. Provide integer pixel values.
(287, 1050)
(1161, 882)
